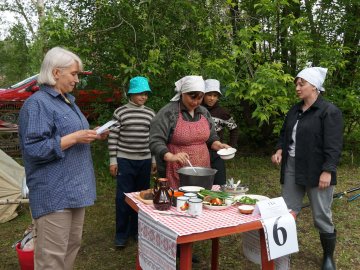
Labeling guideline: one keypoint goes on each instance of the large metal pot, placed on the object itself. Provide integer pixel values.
(203, 177)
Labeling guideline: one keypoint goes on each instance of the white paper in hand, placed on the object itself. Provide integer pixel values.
(104, 127)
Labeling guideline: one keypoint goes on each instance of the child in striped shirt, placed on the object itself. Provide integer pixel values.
(130, 156)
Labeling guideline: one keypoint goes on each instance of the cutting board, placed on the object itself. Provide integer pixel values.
(149, 202)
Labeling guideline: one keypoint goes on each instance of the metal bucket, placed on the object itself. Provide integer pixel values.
(203, 177)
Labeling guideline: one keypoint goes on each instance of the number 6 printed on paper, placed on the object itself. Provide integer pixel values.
(276, 230)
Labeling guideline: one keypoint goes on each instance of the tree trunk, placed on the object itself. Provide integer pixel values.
(313, 30)
(21, 11)
(40, 7)
(295, 7)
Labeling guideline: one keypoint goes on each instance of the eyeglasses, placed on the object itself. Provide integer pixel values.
(195, 95)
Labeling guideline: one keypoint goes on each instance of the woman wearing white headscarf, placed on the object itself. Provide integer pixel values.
(309, 150)
(182, 130)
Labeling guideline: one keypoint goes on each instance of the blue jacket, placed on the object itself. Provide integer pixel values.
(56, 179)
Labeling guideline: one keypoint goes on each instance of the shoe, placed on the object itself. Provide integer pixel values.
(120, 242)
(328, 242)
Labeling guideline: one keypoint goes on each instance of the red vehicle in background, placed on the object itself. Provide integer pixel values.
(91, 90)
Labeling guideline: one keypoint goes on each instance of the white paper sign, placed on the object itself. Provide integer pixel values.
(280, 236)
(279, 227)
(271, 208)
(104, 127)
(251, 250)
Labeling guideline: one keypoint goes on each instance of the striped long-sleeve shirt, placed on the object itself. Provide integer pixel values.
(131, 138)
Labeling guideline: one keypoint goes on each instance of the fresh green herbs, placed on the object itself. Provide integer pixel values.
(213, 194)
(247, 200)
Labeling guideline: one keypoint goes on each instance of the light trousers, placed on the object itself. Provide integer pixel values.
(58, 239)
(320, 199)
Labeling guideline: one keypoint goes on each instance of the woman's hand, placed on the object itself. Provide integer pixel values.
(80, 136)
(181, 157)
(85, 136)
(325, 179)
(113, 169)
(217, 145)
(276, 158)
(104, 135)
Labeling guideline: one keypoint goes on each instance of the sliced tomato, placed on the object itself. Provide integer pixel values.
(216, 201)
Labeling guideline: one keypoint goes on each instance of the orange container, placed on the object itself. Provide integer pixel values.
(26, 258)
(176, 194)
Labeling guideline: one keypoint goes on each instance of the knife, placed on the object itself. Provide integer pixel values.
(173, 214)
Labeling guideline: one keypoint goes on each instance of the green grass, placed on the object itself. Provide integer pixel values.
(98, 252)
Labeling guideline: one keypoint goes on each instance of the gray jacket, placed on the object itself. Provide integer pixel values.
(163, 126)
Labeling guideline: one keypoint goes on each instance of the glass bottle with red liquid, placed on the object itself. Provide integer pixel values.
(162, 194)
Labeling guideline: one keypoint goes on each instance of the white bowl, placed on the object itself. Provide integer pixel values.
(227, 153)
(246, 209)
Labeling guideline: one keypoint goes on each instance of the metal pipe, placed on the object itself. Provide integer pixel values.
(339, 195)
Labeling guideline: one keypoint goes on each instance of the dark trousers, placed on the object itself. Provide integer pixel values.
(133, 175)
(218, 164)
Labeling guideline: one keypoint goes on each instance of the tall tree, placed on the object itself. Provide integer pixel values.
(253, 47)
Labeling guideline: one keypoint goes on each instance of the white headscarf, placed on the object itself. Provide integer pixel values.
(212, 85)
(189, 84)
(315, 76)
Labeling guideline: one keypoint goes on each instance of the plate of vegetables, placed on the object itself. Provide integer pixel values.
(214, 200)
(249, 199)
(216, 207)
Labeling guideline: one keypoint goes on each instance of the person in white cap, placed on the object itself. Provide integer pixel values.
(183, 130)
(309, 150)
(222, 120)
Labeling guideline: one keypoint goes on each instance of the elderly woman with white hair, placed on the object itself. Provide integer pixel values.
(182, 130)
(55, 142)
(309, 150)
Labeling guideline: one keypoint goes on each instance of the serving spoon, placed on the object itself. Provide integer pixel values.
(188, 161)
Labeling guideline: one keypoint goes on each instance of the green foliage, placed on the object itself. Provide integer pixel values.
(102, 113)
(347, 99)
(54, 31)
(269, 92)
(14, 49)
(253, 47)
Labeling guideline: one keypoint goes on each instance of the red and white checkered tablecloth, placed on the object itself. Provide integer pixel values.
(166, 229)
(209, 220)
